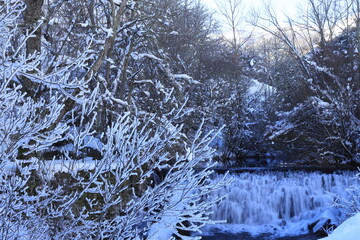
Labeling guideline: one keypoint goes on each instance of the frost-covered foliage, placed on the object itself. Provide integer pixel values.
(317, 119)
(349, 208)
(133, 192)
(328, 119)
(23, 121)
(146, 175)
(351, 205)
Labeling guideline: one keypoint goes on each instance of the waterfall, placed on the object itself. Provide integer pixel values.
(279, 198)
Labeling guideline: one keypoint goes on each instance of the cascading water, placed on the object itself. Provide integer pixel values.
(279, 198)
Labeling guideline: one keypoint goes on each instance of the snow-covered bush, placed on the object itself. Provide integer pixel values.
(350, 205)
(146, 182)
(136, 190)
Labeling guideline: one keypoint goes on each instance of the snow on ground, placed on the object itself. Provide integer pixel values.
(53, 166)
(259, 89)
(348, 230)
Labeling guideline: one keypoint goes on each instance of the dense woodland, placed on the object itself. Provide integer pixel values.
(108, 108)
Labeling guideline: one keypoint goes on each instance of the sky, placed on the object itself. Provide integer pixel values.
(281, 8)
(288, 7)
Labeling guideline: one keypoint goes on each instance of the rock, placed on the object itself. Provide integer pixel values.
(324, 223)
(282, 223)
(323, 227)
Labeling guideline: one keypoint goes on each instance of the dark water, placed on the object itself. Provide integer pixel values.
(246, 236)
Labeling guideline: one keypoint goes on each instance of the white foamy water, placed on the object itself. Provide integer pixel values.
(282, 200)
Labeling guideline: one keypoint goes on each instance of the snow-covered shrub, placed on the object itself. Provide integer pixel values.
(24, 133)
(124, 196)
(145, 184)
(350, 205)
(121, 196)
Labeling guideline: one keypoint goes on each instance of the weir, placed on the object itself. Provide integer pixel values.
(280, 198)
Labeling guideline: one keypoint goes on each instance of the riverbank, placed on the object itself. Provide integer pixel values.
(285, 168)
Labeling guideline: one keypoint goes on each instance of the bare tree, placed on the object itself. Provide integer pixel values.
(233, 13)
(321, 18)
(32, 25)
(356, 12)
(330, 88)
(269, 22)
(32, 18)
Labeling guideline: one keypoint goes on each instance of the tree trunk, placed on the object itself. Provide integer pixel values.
(109, 42)
(358, 36)
(32, 15)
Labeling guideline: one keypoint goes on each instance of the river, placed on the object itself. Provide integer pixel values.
(247, 236)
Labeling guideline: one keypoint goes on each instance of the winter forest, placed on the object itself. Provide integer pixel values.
(165, 119)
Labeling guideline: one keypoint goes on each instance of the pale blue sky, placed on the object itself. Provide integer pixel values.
(288, 7)
(281, 7)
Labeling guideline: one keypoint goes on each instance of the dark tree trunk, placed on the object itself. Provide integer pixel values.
(32, 15)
